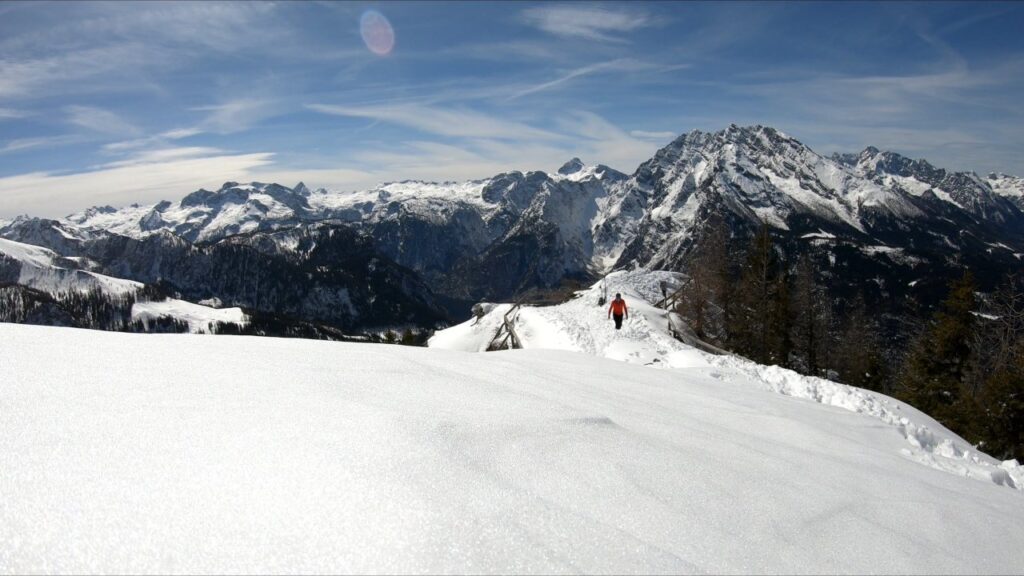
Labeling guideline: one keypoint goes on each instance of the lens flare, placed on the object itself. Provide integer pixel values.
(377, 32)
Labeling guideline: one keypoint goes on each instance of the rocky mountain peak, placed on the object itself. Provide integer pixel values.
(571, 167)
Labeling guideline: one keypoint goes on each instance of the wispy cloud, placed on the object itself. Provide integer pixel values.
(99, 120)
(200, 25)
(164, 155)
(587, 22)
(237, 115)
(11, 114)
(39, 142)
(544, 50)
(451, 122)
(179, 133)
(35, 76)
(622, 66)
(583, 134)
(605, 142)
(645, 135)
(54, 195)
(157, 140)
(97, 47)
(599, 67)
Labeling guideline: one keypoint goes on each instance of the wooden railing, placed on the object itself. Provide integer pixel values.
(669, 302)
(506, 338)
(678, 328)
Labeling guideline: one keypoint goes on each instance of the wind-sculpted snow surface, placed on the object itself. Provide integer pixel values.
(179, 453)
(930, 443)
(580, 325)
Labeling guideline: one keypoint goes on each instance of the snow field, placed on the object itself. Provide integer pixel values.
(170, 453)
(580, 325)
(199, 318)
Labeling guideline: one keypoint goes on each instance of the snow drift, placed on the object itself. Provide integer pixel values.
(184, 453)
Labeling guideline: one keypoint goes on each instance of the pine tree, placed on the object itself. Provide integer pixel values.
(812, 320)
(999, 372)
(779, 334)
(940, 358)
(1001, 407)
(706, 298)
(759, 328)
(859, 358)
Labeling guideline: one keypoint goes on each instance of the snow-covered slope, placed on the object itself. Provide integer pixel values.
(1009, 187)
(198, 317)
(187, 454)
(583, 326)
(966, 191)
(44, 270)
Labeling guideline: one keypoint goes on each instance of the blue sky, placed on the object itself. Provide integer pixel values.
(114, 103)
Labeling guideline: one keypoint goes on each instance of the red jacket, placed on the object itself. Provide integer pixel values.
(618, 307)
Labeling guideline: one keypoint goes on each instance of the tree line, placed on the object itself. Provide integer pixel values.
(962, 363)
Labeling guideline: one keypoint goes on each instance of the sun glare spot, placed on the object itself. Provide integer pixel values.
(377, 32)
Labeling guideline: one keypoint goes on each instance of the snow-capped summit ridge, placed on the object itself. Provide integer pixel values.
(571, 167)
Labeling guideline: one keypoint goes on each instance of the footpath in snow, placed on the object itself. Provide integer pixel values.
(580, 325)
(142, 453)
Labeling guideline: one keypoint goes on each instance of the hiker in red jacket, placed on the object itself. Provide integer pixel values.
(617, 310)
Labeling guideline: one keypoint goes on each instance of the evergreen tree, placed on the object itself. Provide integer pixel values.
(812, 320)
(779, 340)
(759, 328)
(998, 419)
(1001, 411)
(859, 360)
(706, 301)
(940, 358)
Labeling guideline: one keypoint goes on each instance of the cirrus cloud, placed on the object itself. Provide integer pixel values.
(587, 22)
(162, 175)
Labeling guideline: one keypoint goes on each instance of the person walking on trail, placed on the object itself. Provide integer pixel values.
(618, 310)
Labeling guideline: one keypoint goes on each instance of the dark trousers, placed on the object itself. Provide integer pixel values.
(618, 321)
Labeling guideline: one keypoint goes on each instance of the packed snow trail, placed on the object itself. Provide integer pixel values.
(581, 325)
(198, 454)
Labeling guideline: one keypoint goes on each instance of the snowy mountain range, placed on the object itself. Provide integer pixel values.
(876, 216)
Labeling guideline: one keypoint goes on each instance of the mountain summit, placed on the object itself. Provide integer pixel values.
(571, 167)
